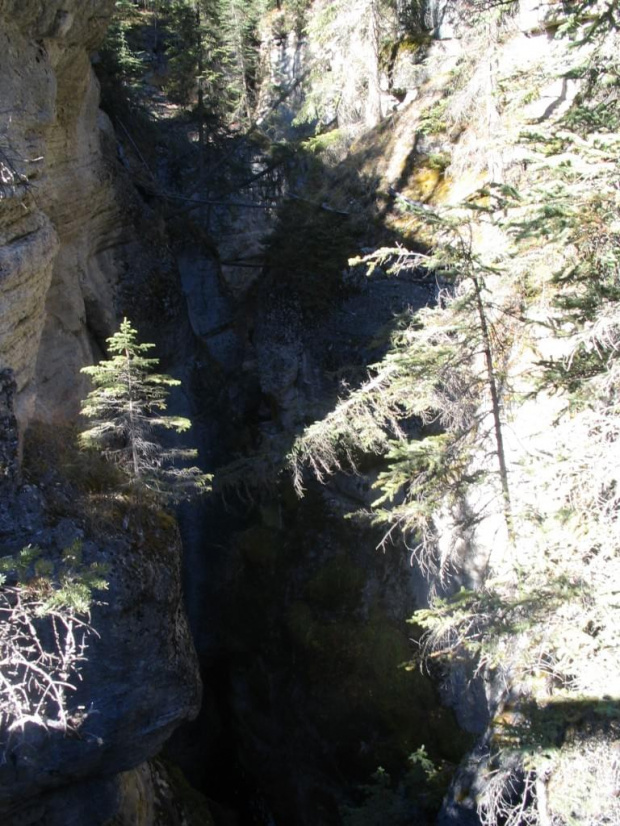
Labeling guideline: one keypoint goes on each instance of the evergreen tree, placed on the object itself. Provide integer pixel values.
(213, 53)
(120, 60)
(444, 371)
(196, 56)
(127, 408)
(348, 39)
(239, 21)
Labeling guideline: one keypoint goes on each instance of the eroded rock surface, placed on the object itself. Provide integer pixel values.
(140, 677)
(59, 221)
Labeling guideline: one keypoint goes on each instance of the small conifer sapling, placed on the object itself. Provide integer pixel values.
(127, 408)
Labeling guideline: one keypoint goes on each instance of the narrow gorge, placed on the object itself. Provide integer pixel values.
(376, 245)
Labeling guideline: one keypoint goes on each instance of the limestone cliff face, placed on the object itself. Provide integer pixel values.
(59, 223)
(62, 233)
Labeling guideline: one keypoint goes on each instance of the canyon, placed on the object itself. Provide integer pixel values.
(254, 660)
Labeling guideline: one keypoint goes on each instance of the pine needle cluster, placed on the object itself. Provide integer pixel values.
(127, 407)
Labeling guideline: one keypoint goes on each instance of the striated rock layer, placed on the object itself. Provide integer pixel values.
(63, 245)
(59, 223)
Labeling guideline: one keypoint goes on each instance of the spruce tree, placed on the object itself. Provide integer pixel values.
(195, 56)
(127, 407)
(443, 380)
(239, 24)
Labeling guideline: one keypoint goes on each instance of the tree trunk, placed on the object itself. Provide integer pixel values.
(200, 108)
(495, 405)
(373, 102)
(132, 421)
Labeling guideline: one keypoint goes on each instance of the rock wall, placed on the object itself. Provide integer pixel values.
(139, 679)
(8, 425)
(65, 240)
(59, 222)
(466, 127)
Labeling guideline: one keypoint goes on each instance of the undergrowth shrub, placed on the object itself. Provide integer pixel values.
(44, 635)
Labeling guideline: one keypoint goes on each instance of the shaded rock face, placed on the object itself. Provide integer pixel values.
(318, 697)
(140, 677)
(59, 224)
(299, 620)
(8, 427)
(154, 794)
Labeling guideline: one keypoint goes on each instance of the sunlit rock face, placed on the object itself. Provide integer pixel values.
(59, 223)
(537, 15)
(441, 19)
(284, 63)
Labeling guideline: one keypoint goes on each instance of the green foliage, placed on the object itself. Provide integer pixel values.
(491, 624)
(576, 206)
(205, 55)
(546, 625)
(587, 20)
(439, 161)
(120, 52)
(321, 143)
(539, 268)
(184, 49)
(65, 585)
(197, 57)
(124, 67)
(127, 407)
(419, 758)
(348, 40)
(454, 355)
(434, 119)
(299, 9)
(414, 798)
(542, 616)
(239, 21)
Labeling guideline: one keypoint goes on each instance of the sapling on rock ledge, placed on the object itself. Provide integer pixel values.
(127, 407)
